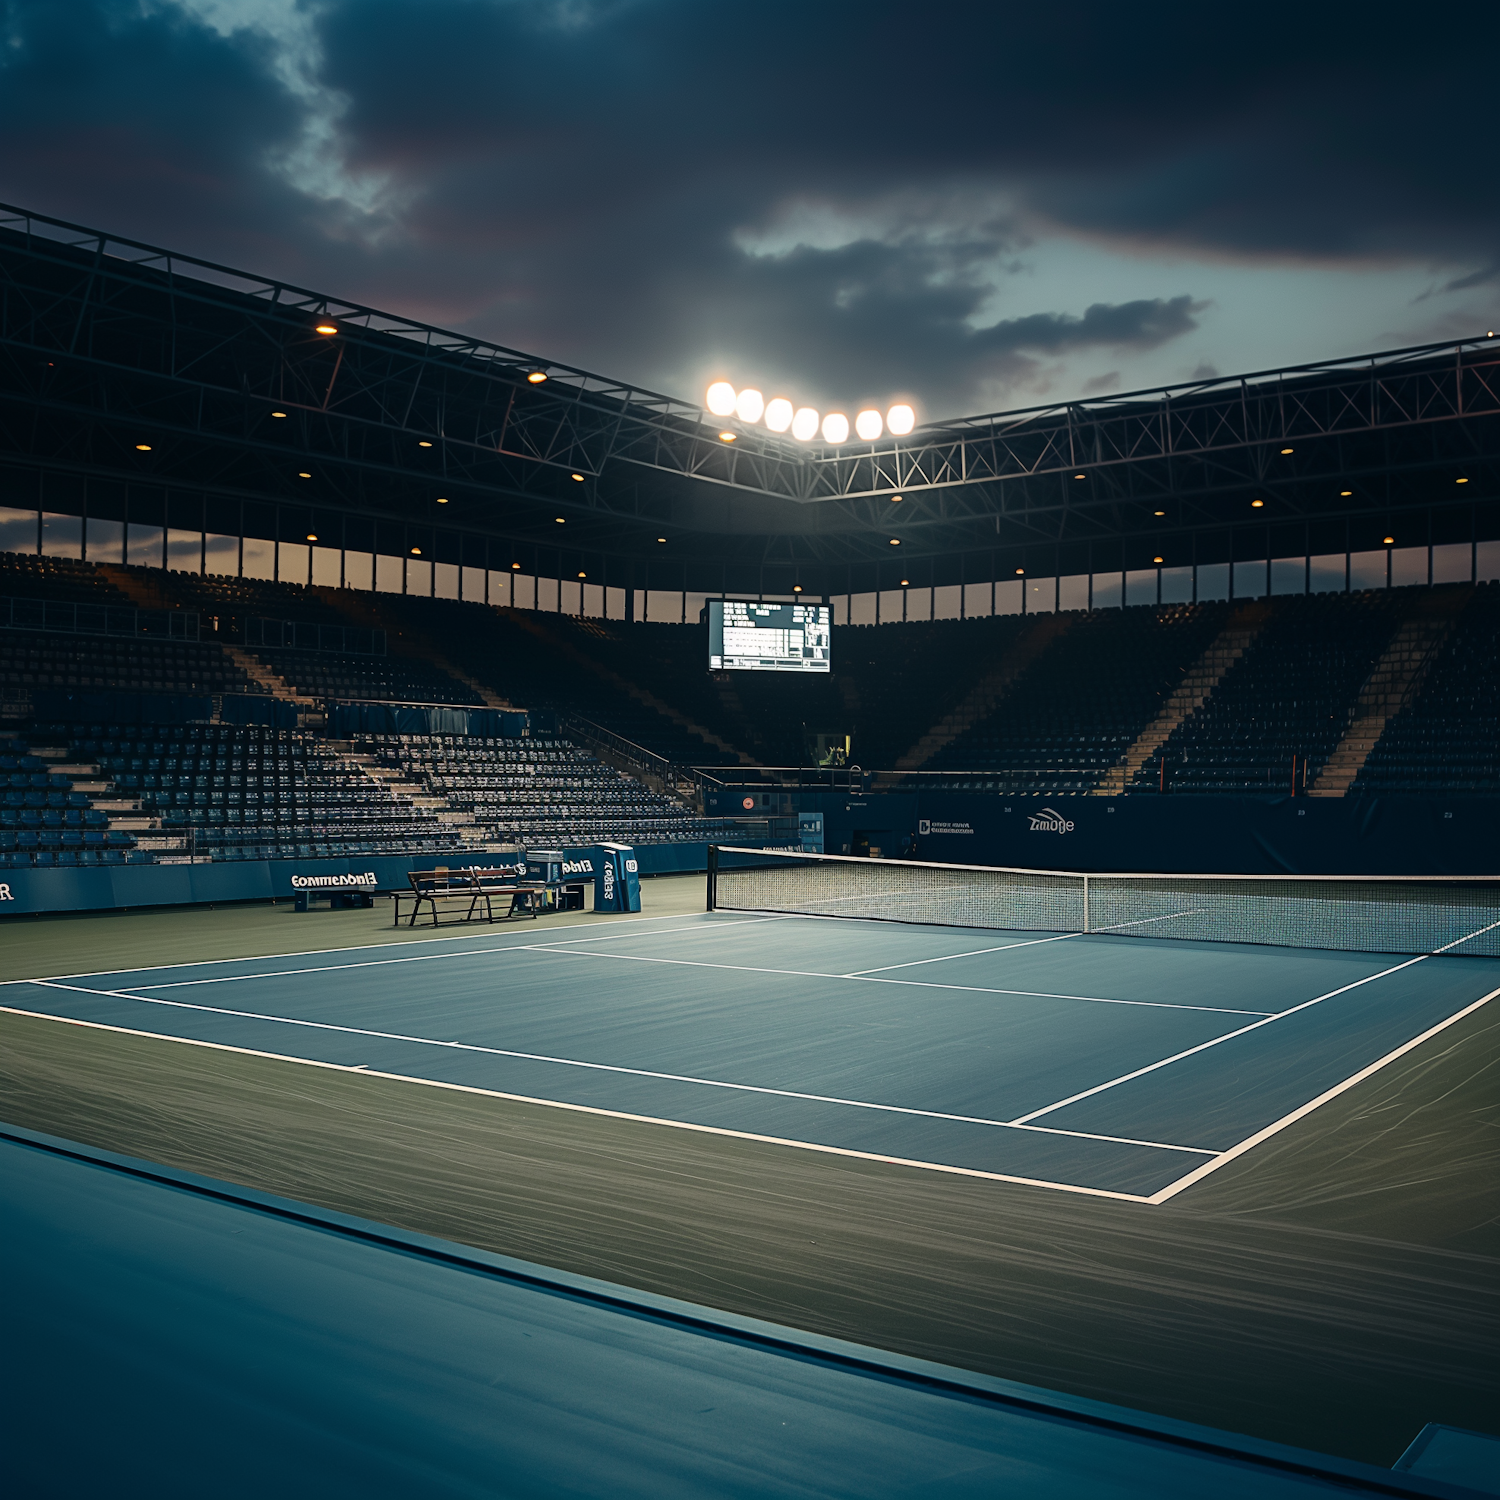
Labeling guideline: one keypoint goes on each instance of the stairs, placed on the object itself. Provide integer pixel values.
(1201, 679)
(1392, 682)
(143, 591)
(988, 691)
(388, 778)
(273, 682)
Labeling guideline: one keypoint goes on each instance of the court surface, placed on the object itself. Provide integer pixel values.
(1123, 1067)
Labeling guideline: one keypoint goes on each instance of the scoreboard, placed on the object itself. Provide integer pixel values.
(746, 636)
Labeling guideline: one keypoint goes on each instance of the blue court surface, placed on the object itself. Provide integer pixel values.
(167, 1335)
(1125, 1067)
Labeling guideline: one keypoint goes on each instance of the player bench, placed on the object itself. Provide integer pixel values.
(479, 893)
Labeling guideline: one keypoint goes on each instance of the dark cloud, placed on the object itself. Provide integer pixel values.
(611, 183)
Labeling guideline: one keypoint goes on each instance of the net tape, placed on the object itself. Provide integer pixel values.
(1364, 915)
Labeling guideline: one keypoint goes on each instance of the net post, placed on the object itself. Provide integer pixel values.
(1085, 903)
(713, 875)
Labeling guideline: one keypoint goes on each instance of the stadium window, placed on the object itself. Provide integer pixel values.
(547, 596)
(1408, 566)
(1108, 590)
(862, 609)
(1289, 575)
(947, 601)
(359, 570)
(614, 603)
(1453, 562)
(1213, 581)
(979, 600)
(499, 588)
(1073, 591)
(471, 584)
(445, 580)
(1326, 573)
(918, 604)
(62, 536)
(1487, 561)
(1250, 579)
(258, 558)
(1008, 596)
(1041, 596)
(1177, 585)
(105, 542)
(1368, 570)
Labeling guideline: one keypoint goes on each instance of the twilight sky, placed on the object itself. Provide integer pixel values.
(972, 206)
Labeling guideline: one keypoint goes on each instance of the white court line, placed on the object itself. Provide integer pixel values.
(573, 1062)
(368, 963)
(1251, 1141)
(573, 948)
(252, 958)
(943, 958)
(1229, 1036)
(364, 1071)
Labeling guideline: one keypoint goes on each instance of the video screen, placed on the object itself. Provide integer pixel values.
(745, 636)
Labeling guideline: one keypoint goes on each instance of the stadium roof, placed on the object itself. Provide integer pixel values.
(126, 364)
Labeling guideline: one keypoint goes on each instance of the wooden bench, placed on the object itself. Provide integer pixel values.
(477, 891)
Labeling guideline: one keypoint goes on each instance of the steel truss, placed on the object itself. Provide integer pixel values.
(106, 343)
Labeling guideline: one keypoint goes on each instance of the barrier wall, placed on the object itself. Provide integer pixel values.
(1184, 834)
(105, 887)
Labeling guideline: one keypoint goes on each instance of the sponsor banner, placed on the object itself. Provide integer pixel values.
(1049, 820)
(365, 882)
(926, 826)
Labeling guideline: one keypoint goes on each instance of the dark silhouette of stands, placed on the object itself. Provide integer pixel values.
(46, 659)
(1076, 710)
(60, 579)
(1448, 738)
(393, 679)
(1291, 694)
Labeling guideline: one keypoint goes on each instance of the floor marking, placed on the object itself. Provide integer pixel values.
(459, 937)
(1250, 1142)
(1036, 1114)
(1228, 1036)
(368, 963)
(921, 984)
(365, 1071)
(943, 958)
(573, 1062)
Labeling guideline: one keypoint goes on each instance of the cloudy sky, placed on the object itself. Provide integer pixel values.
(974, 206)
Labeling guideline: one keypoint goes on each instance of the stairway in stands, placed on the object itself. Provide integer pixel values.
(1393, 682)
(1202, 678)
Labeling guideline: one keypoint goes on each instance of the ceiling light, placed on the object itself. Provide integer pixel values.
(537, 377)
(579, 478)
(661, 539)
(328, 328)
(900, 420)
(726, 437)
(312, 536)
(895, 542)
(1080, 476)
(1158, 512)
(1257, 504)
(278, 413)
(303, 474)
(442, 499)
(561, 520)
(904, 582)
(836, 428)
(805, 424)
(749, 405)
(1346, 493)
(1390, 541)
(583, 575)
(416, 551)
(1156, 559)
(869, 425)
(515, 565)
(895, 499)
(720, 398)
(1020, 571)
(423, 443)
(1286, 450)
(143, 447)
(1460, 481)
(796, 588)
(779, 414)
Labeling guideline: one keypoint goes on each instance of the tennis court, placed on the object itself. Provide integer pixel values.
(1095, 1063)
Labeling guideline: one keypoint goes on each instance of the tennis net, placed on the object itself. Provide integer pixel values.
(1363, 914)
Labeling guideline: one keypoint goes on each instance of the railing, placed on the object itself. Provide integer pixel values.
(646, 764)
(99, 619)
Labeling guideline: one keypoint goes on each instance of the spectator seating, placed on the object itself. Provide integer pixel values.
(44, 821)
(1077, 708)
(541, 791)
(40, 658)
(1291, 694)
(64, 580)
(1448, 738)
(393, 679)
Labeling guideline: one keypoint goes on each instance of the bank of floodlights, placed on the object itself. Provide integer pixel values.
(804, 422)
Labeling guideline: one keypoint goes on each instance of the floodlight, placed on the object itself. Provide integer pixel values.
(537, 377)
(327, 328)
(748, 405)
(835, 428)
(146, 448)
(1390, 541)
(868, 425)
(442, 499)
(901, 420)
(416, 551)
(1257, 505)
(720, 398)
(805, 424)
(312, 536)
(278, 413)
(779, 414)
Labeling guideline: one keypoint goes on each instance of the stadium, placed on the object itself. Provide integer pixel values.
(1138, 752)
